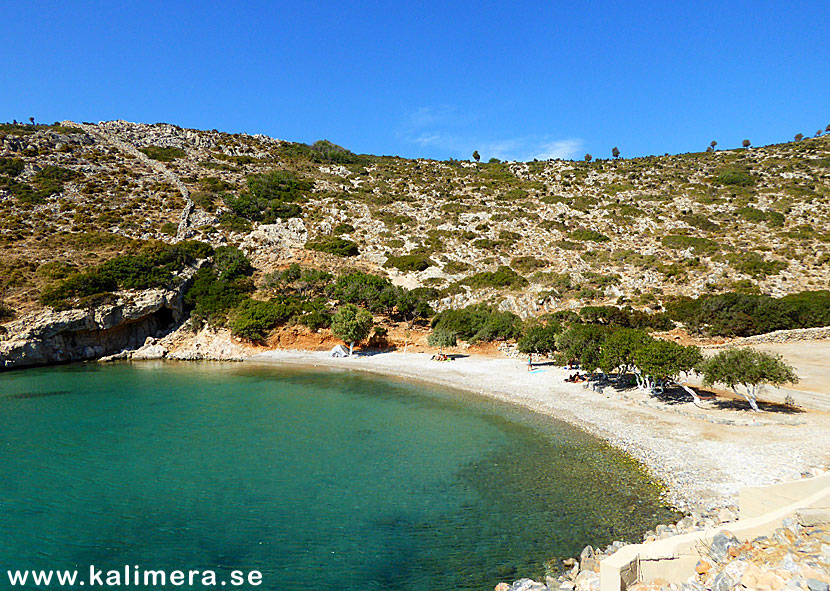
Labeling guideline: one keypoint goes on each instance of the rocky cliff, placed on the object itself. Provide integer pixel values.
(101, 329)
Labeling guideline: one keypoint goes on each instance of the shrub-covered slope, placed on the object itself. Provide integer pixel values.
(527, 237)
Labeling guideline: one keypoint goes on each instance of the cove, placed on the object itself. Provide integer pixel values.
(325, 479)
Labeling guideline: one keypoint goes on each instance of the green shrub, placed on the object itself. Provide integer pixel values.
(324, 151)
(169, 228)
(11, 167)
(755, 265)
(487, 244)
(153, 266)
(503, 277)
(215, 185)
(211, 299)
(626, 317)
(409, 262)
(231, 263)
(587, 235)
(46, 182)
(300, 280)
(539, 338)
(734, 176)
(526, 264)
(254, 319)
(737, 314)
(682, 242)
(455, 267)
(377, 294)
(442, 338)
(568, 245)
(752, 214)
(163, 154)
(270, 196)
(479, 322)
(234, 223)
(316, 320)
(333, 245)
(55, 270)
(343, 228)
(6, 312)
(701, 222)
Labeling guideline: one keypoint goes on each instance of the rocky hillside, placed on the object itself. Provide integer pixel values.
(529, 237)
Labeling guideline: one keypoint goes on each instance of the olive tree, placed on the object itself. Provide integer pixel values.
(540, 339)
(748, 368)
(746, 143)
(583, 342)
(351, 324)
(476, 156)
(615, 152)
(441, 337)
(660, 362)
(619, 349)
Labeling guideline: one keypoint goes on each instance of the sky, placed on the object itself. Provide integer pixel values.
(513, 80)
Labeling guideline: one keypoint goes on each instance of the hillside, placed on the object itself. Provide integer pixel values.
(529, 237)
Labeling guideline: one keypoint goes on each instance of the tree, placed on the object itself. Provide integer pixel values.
(32, 120)
(615, 152)
(746, 143)
(660, 362)
(827, 129)
(583, 342)
(818, 133)
(619, 350)
(799, 137)
(351, 324)
(476, 156)
(748, 368)
(440, 337)
(588, 157)
(540, 339)
(713, 144)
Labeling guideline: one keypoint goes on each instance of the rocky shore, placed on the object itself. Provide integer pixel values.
(113, 324)
(794, 557)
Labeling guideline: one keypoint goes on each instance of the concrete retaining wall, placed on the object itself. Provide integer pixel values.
(674, 559)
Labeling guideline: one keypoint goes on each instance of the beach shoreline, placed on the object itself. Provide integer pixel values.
(702, 455)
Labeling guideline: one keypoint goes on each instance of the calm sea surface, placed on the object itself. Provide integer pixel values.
(322, 480)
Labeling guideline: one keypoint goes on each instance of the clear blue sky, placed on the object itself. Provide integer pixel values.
(435, 79)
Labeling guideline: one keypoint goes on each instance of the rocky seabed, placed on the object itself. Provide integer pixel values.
(795, 557)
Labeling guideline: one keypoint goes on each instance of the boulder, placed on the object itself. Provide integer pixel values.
(721, 544)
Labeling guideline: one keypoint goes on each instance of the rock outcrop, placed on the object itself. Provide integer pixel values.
(102, 329)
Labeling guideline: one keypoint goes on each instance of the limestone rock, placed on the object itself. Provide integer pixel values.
(721, 544)
(587, 581)
(290, 233)
(121, 323)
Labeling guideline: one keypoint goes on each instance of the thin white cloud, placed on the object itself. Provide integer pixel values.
(564, 149)
(447, 129)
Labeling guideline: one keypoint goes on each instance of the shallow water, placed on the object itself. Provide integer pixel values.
(320, 479)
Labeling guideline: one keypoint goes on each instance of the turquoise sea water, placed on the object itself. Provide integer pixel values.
(322, 480)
